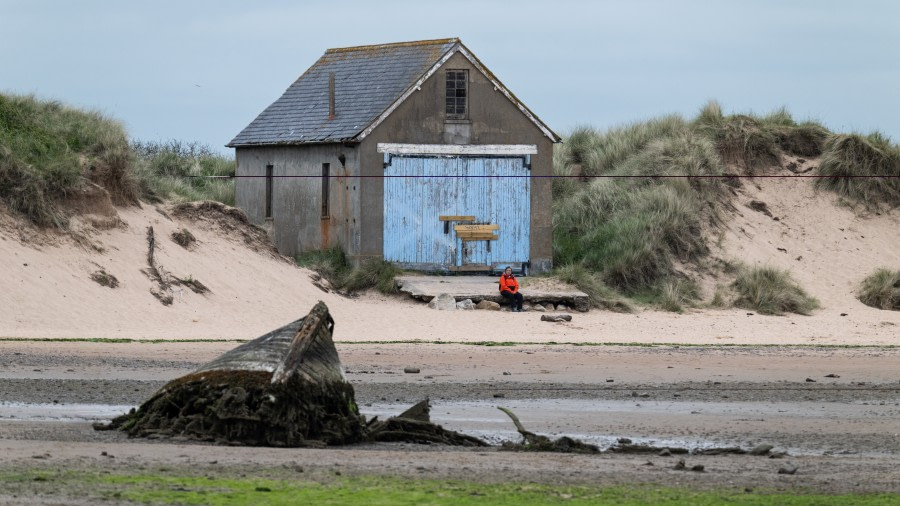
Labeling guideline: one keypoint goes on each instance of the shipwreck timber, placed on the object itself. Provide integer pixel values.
(285, 388)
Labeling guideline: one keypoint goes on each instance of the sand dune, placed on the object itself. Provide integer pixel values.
(48, 291)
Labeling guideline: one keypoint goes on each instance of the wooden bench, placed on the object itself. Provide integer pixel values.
(477, 232)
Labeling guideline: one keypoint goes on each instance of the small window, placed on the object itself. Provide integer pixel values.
(457, 90)
(269, 178)
(326, 168)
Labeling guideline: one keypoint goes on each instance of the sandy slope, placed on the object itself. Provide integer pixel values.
(47, 290)
(827, 246)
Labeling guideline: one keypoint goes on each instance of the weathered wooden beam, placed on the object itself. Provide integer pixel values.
(476, 228)
(470, 233)
(456, 218)
(470, 268)
(457, 149)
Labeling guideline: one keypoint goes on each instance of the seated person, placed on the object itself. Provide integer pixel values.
(509, 289)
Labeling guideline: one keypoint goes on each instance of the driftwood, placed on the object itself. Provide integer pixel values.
(151, 247)
(537, 443)
(285, 388)
(414, 426)
(556, 318)
(624, 445)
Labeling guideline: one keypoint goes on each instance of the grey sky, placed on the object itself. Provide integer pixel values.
(202, 70)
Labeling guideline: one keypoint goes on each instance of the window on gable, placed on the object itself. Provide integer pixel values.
(457, 91)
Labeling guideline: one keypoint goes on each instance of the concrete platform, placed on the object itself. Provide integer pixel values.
(480, 288)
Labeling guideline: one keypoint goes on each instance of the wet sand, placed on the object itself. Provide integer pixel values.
(843, 431)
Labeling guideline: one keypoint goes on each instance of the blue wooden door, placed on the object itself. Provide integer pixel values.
(419, 190)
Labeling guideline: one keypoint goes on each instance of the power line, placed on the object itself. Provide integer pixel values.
(710, 176)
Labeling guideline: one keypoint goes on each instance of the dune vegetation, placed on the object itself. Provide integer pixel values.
(183, 172)
(49, 150)
(863, 168)
(881, 290)
(333, 266)
(771, 291)
(635, 202)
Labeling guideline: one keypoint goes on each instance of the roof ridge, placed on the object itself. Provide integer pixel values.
(393, 44)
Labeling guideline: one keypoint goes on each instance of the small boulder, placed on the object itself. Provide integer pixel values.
(443, 302)
(539, 308)
(562, 308)
(549, 307)
(582, 304)
(465, 304)
(788, 469)
(556, 318)
(489, 305)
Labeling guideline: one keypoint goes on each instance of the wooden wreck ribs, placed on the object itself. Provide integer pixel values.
(304, 347)
(314, 359)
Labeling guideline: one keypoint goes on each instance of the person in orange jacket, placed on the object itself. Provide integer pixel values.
(509, 289)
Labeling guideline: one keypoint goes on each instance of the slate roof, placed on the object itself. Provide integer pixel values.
(368, 80)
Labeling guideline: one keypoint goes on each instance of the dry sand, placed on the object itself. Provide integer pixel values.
(47, 291)
(828, 246)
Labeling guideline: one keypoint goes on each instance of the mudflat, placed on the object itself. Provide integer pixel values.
(832, 411)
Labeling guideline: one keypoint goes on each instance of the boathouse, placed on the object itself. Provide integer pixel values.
(412, 152)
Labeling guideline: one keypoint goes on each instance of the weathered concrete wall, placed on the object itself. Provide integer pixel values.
(493, 119)
(297, 224)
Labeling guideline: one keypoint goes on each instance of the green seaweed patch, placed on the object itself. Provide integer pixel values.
(114, 340)
(150, 488)
(628, 344)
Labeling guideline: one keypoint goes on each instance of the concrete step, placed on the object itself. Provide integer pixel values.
(479, 288)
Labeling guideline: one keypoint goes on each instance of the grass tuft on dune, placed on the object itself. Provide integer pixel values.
(50, 151)
(881, 290)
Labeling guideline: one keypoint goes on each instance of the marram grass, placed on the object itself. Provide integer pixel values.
(332, 264)
(865, 169)
(881, 290)
(771, 291)
(640, 199)
(50, 151)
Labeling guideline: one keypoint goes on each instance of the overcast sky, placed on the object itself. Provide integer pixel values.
(202, 70)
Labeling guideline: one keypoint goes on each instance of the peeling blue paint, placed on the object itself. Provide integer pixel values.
(418, 190)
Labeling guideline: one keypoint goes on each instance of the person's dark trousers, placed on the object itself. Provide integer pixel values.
(515, 299)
